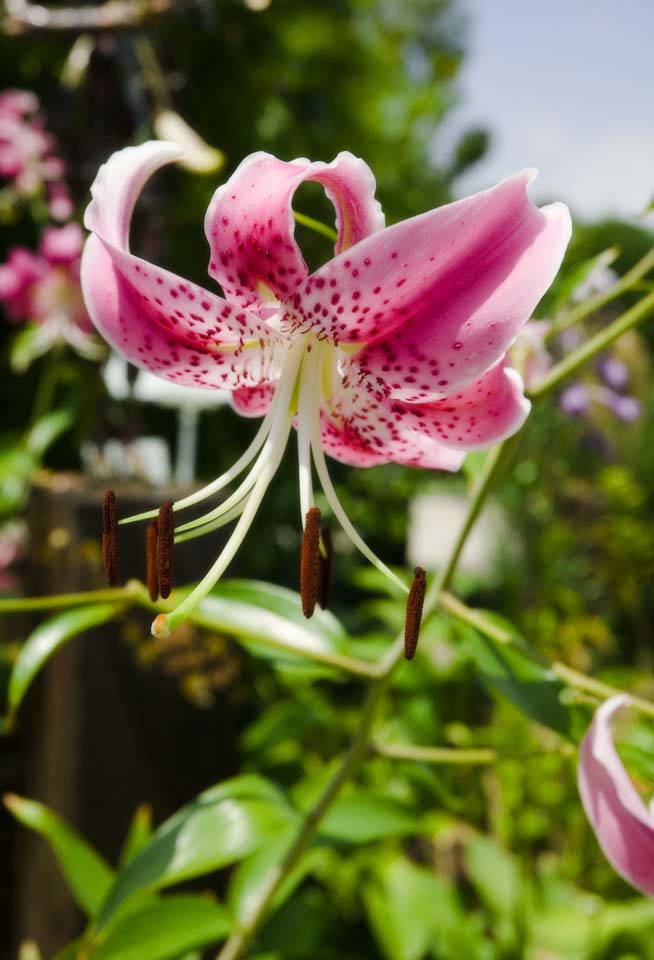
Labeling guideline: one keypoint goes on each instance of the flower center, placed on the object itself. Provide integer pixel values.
(309, 374)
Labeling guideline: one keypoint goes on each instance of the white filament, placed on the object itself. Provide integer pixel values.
(339, 512)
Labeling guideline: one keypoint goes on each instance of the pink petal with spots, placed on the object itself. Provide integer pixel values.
(253, 401)
(486, 412)
(152, 336)
(623, 824)
(441, 295)
(201, 340)
(362, 428)
(250, 224)
(118, 185)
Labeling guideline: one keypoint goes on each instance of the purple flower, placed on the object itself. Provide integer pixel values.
(575, 400)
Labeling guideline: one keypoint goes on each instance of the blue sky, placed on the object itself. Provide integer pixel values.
(566, 86)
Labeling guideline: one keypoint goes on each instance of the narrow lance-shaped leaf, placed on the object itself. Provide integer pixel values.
(518, 673)
(166, 929)
(48, 637)
(87, 874)
(220, 827)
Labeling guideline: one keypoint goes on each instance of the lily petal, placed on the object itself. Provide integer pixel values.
(362, 424)
(151, 316)
(150, 330)
(118, 185)
(442, 295)
(250, 224)
(253, 401)
(623, 825)
(484, 413)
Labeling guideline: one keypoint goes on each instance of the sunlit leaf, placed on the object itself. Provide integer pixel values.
(253, 873)
(262, 615)
(86, 873)
(223, 825)
(48, 637)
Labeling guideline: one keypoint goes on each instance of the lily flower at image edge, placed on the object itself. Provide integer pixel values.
(394, 350)
(623, 824)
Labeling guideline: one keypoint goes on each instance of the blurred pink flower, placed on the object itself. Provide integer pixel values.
(44, 289)
(28, 153)
(394, 350)
(623, 824)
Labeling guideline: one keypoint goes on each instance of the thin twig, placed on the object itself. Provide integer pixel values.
(582, 310)
(24, 17)
(631, 318)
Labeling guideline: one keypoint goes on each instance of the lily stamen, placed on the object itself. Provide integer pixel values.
(110, 537)
(310, 565)
(165, 541)
(151, 573)
(413, 618)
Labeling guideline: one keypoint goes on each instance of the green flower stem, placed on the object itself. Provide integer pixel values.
(473, 756)
(570, 364)
(240, 939)
(316, 225)
(131, 591)
(582, 310)
(572, 678)
(238, 942)
(579, 681)
(47, 385)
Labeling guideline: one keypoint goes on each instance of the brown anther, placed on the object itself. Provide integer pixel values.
(165, 540)
(110, 537)
(151, 575)
(310, 562)
(413, 618)
(326, 567)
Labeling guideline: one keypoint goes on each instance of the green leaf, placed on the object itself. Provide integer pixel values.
(26, 346)
(261, 614)
(165, 929)
(46, 430)
(223, 825)
(495, 875)
(362, 817)
(48, 637)
(253, 873)
(87, 874)
(412, 910)
(138, 834)
(513, 671)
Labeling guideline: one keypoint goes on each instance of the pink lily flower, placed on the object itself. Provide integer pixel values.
(44, 289)
(623, 824)
(394, 350)
(27, 152)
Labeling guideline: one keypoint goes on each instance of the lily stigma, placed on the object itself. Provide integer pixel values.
(394, 350)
